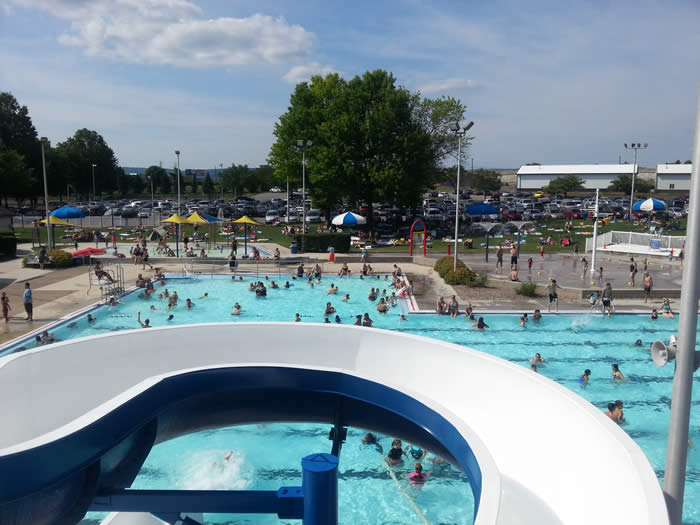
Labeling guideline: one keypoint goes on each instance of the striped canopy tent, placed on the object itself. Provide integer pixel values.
(176, 220)
(202, 218)
(245, 221)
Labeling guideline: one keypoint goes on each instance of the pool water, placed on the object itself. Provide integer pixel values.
(269, 456)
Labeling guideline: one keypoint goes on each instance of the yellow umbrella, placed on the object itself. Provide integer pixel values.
(196, 218)
(245, 221)
(177, 220)
(55, 221)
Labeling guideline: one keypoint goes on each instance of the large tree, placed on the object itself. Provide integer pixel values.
(15, 178)
(234, 178)
(485, 180)
(565, 184)
(158, 175)
(17, 132)
(623, 184)
(371, 141)
(72, 162)
(208, 185)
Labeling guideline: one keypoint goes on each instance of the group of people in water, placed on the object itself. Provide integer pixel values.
(395, 457)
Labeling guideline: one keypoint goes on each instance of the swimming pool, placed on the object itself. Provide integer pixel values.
(569, 344)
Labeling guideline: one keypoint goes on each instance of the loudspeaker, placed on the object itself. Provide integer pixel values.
(662, 354)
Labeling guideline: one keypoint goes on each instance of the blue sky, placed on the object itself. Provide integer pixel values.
(544, 81)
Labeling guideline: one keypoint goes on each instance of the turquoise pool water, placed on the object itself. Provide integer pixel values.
(569, 344)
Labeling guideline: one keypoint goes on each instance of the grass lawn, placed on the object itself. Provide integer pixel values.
(274, 234)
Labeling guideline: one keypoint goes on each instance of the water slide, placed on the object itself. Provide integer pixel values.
(79, 417)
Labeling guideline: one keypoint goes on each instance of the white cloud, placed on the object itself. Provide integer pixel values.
(173, 32)
(306, 71)
(450, 84)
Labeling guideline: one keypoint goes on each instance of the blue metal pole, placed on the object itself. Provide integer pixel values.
(320, 483)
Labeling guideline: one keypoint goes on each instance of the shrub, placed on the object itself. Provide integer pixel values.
(466, 277)
(527, 289)
(60, 258)
(8, 245)
(444, 265)
(479, 281)
(320, 242)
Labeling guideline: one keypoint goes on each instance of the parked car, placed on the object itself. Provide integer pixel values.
(313, 216)
(292, 217)
(434, 215)
(272, 216)
(275, 189)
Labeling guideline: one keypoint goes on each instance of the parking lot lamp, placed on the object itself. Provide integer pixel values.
(460, 132)
(94, 193)
(44, 143)
(635, 146)
(177, 152)
(303, 145)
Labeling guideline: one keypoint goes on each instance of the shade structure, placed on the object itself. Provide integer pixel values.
(348, 219)
(89, 251)
(67, 212)
(245, 220)
(56, 221)
(481, 208)
(176, 220)
(196, 218)
(649, 205)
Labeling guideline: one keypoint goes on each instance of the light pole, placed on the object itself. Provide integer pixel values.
(177, 152)
(44, 142)
(460, 132)
(303, 145)
(635, 146)
(94, 193)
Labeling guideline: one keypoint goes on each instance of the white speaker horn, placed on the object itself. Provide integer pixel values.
(661, 353)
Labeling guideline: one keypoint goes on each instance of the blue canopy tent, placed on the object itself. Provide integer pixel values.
(66, 212)
(481, 208)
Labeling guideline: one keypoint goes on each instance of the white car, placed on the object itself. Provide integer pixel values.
(275, 189)
(313, 216)
(292, 217)
(272, 216)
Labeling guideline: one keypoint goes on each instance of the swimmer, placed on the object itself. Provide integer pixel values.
(366, 321)
(382, 307)
(616, 374)
(358, 321)
(287, 285)
(332, 289)
(402, 318)
(91, 319)
(113, 302)
(372, 296)
(416, 452)
(638, 342)
(533, 367)
(371, 439)
(171, 317)
(329, 309)
(585, 377)
(273, 285)
(469, 312)
(160, 296)
(537, 359)
(188, 303)
(206, 294)
(538, 315)
(480, 324)
(144, 324)
(236, 309)
(654, 315)
(396, 453)
(619, 412)
(523, 320)
(337, 319)
(297, 318)
(311, 284)
(327, 321)
(346, 297)
(153, 307)
(611, 412)
(417, 477)
(47, 338)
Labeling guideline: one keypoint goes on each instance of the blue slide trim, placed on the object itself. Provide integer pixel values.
(213, 398)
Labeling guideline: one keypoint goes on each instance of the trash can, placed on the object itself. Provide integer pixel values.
(293, 248)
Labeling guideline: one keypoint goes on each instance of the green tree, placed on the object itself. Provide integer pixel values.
(73, 161)
(17, 132)
(688, 162)
(565, 184)
(368, 143)
(435, 116)
(485, 180)
(233, 178)
(136, 184)
(623, 184)
(156, 174)
(195, 183)
(15, 177)
(208, 186)
(165, 186)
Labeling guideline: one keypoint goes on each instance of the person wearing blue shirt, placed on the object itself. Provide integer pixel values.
(28, 306)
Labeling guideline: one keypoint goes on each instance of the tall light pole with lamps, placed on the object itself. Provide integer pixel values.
(94, 193)
(460, 132)
(303, 145)
(44, 143)
(177, 152)
(635, 146)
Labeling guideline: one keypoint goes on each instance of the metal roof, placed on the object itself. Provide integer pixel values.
(680, 169)
(577, 169)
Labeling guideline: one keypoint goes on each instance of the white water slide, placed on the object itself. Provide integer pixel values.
(81, 415)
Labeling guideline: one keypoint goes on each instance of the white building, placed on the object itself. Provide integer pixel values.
(594, 175)
(673, 176)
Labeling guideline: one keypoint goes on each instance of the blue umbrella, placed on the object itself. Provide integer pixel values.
(349, 218)
(648, 205)
(481, 208)
(68, 212)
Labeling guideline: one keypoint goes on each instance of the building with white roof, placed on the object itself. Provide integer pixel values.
(673, 176)
(594, 175)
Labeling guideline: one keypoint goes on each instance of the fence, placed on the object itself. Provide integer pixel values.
(646, 240)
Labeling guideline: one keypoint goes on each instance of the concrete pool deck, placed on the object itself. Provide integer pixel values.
(58, 293)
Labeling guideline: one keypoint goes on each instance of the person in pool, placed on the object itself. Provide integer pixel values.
(287, 285)
(337, 319)
(346, 297)
(523, 320)
(638, 342)
(415, 452)
(371, 440)
(584, 378)
(616, 374)
(91, 319)
(480, 324)
(619, 412)
(395, 455)
(382, 307)
(537, 315)
(188, 303)
(171, 317)
(654, 315)
(332, 289)
(417, 477)
(366, 321)
(237, 309)
(327, 321)
(297, 318)
(329, 309)
(358, 320)
(469, 312)
(273, 285)
(144, 324)
(611, 413)
(537, 359)
(206, 294)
